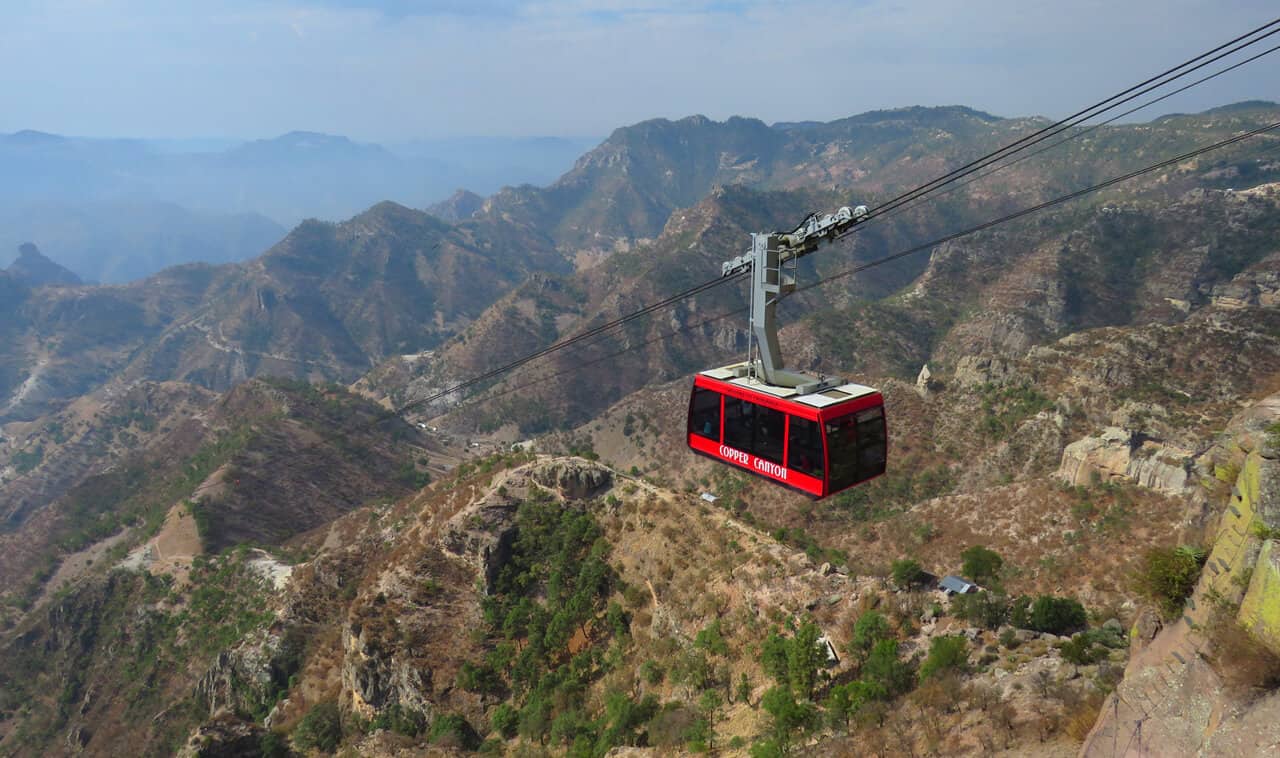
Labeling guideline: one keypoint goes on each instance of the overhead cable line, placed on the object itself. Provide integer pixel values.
(924, 190)
(1078, 117)
(1076, 135)
(395, 414)
(900, 254)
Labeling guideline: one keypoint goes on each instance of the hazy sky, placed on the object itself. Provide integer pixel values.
(400, 69)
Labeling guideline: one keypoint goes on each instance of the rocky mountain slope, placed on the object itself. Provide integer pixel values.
(262, 569)
(392, 620)
(326, 303)
(259, 464)
(1125, 260)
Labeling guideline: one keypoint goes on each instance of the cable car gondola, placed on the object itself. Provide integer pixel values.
(818, 435)
(819, 443)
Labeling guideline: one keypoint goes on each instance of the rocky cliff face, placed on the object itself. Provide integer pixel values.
(1201, 684)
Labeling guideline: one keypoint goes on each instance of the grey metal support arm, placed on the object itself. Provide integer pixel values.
(772, 278)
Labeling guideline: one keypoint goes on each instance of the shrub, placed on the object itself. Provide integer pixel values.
(946, 653)
(1056, 615)
(505, 720)
(907, 573)
(711, 639)
(789, 715)
(652, 673)
(870, 628)
(272, 745)
(401, 719)
(847, 700)
(980, 564)
(795, 661)
(985, 609)
(884, 668)
(453, 731)
(668, 726)
(1081, 650)
(481, 679)
(1168, 576)
(320, 729)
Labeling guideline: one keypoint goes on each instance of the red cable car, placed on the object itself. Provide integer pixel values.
(818, 435)
(818, 443)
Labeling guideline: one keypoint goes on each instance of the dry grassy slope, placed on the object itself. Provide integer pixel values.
(1176, 385)
(264, 462)
(87, 439)
(391, 598)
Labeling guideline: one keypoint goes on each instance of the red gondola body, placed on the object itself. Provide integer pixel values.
(819, 444)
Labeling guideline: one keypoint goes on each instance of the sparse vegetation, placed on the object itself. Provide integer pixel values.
(907, 573)
(320, 729)
(946, 654)
(981, 564)
(1005, 407)
(987, 610)
(26, 460)
(1054, 615)
(1168, 575)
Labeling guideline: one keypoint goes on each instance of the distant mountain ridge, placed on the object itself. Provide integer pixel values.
(627, 187)
(116, 210)
(37, 270)
(287, 178)
(459, 206)
(331, 301)
(119, 242)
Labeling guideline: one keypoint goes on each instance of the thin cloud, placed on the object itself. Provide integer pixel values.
(394, 69)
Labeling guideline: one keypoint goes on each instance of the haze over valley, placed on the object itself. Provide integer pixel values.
(115, 210)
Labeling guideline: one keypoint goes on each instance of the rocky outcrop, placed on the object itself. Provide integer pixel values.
(574, 478)
(483, 535)
(1119, 454)
(975, 370)
(245, 679)
(225, 737)
(375, 679)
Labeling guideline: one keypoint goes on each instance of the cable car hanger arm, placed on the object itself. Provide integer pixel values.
(811, 234)
(771, 280)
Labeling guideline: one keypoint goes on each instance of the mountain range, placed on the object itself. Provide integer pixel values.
(219, 536)
(119, 210)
